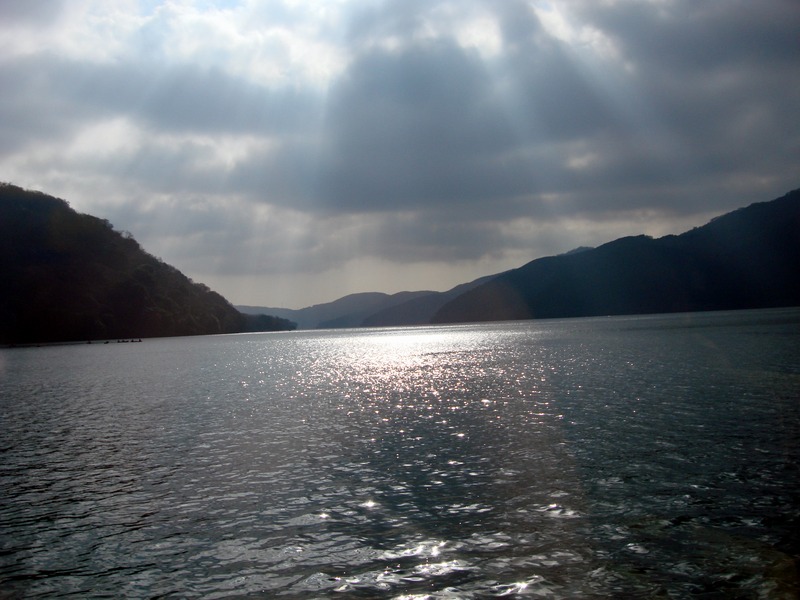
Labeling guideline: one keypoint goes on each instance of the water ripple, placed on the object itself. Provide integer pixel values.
(595, 458)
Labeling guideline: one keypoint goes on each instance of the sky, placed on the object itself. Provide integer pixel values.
(287, 153)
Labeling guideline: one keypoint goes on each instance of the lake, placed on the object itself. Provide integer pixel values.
(630, 457)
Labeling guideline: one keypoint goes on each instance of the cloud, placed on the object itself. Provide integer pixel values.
(183, 97)
(30, 13)
(272, 139)
(416, 127)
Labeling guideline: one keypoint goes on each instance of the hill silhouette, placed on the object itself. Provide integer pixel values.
(347, 311)
(369, 309)
(70, 276)
(419, 310)
(749, 258)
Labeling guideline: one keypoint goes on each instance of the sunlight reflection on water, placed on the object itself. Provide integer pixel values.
(591, 458)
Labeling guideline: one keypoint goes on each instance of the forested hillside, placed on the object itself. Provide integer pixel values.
(749, 258)
(70, 276)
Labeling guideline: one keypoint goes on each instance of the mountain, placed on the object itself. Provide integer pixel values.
(369, 309)
(749, 258)
(420, 310)
(348, 311)
(69, 276)
(355, 318)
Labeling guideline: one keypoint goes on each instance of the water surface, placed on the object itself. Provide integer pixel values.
(632, 457)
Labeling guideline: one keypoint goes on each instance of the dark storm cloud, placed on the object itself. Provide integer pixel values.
(180, 98)
(200, 100)
(419, 237)
(696, 92)
(553, 95)
(36, 103)
(725, 55)
(284, 175)
(29, 12)
(431, 124)
(691, 38)
(427, 130)
(427, 122)
(702, 68)
(416, 127)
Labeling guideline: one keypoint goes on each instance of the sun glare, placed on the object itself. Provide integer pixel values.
(403, 345)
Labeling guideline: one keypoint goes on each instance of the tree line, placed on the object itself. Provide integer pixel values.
(71, 276)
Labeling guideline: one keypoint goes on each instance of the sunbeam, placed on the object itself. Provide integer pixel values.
(351, 146)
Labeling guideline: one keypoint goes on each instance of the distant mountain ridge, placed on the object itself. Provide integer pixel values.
(69, 276)
(347, 311)
(420, 310)
(369, 309)
(748, 258)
